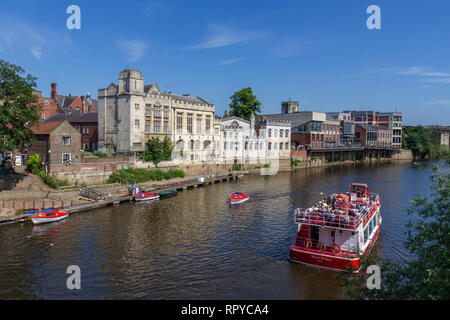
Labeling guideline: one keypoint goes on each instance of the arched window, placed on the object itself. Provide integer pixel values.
(281, 145)
(179, 145)
(286, 145)
(269, 146)
(191, 145)
(197, 145)
(225, 146)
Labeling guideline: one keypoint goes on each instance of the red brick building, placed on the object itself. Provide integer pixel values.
(373, 136)
(316, 134)
(86, 123)
(58, 144)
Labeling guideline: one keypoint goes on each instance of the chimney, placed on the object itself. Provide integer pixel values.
(53, 95)
(83, 105)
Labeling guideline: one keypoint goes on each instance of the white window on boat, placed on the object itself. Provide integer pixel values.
(366, 234)
(370, 224)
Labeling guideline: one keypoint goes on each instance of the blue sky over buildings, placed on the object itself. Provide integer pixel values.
(317, 52)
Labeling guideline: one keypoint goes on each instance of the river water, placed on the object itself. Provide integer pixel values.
(196, 245)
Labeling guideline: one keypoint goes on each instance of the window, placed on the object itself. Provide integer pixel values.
(136, 106)
(179, 122)
(366, 235)
(281, 133)
(147, 125)
(46, 102)
(208, 124)
(136, 123)
(66, 157)
(87, 130)
(198, 125)
(189, 123)
(225, 146)
(66, 141)
(270, 133)
(281, 145)
(216, 131)
(286, 146)
(269, 146)
(166, 112)
(157, 126)
(148, 110)
(166, 127)
(275, 133)
(157, 111)
(42, 116)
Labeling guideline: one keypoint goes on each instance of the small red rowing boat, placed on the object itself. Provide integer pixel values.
(145, 196)
(238, 197)
(49, 215)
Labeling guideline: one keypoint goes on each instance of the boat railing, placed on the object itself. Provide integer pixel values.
(321, 247)
(349, 221)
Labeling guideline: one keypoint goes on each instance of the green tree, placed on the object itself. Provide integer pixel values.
(427, 275)
(158, 150)
(418, 140)
(244, 103)
(18, 107)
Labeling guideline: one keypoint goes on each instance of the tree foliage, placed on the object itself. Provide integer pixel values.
(424, 143)
(427, 276)
(18, 107)
(244, 103)
(158, 150)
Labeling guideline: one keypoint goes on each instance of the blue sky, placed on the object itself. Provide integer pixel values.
(320, 53)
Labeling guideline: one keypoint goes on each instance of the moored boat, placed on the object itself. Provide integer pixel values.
(167, 193)
(145, 196)
(49, 215)
(238, 197)
(339, 230)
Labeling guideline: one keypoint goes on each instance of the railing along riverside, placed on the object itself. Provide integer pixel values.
(91, 194)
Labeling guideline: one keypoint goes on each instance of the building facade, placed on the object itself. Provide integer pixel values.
(131, 113)
(373, 136)
(58, 143)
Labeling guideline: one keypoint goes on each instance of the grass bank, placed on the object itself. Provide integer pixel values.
(136, 175)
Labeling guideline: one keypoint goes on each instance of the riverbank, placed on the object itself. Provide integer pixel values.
(31, 193)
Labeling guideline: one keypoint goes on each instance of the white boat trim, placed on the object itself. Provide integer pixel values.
(325, 255)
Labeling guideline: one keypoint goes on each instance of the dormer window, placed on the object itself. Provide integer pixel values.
(46, 102)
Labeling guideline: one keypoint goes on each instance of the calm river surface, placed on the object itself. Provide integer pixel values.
(197, 246)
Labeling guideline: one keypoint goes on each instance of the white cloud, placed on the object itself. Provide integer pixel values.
(438, 80)
(134, 49)
(221, 36)
(439, 102)
(230, 61)
(18, 37)
(422, 71)
(289, 47)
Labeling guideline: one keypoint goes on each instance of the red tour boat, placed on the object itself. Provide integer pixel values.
(145, 196)
(238, 197)
(336, 232)
(49, 215)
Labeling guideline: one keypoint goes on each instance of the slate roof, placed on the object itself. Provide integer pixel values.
(73, 116)
(45, 127)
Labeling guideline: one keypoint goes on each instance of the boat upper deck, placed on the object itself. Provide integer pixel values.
(338, 211)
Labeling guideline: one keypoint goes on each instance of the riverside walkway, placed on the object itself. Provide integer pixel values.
(182, 185)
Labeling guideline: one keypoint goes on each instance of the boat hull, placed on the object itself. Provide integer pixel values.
(316, 259)
(146, 198)
(42, 220)
(238, 201)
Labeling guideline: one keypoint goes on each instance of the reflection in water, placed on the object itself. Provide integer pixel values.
(197, 245)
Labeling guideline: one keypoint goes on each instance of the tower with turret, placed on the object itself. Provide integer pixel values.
(289, 106)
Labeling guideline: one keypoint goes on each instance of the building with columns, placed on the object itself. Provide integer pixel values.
(131, 113)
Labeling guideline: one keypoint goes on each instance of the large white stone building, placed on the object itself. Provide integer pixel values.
(130, 113)
(255, 141)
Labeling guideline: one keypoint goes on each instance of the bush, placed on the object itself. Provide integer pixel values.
(34, 163)
(100, 154)
(54, 183)
(136, 175)
(266, 165)
(236, 168)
